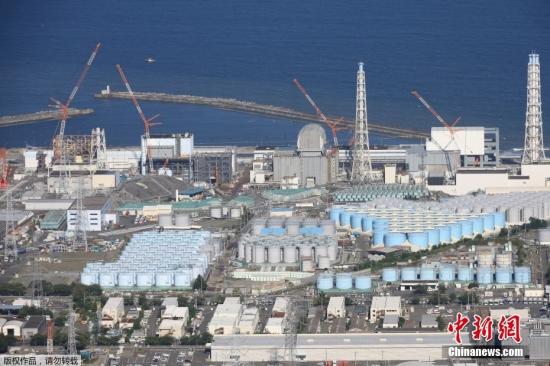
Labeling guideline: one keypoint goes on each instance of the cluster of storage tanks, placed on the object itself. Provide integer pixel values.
(220, 212)
(370, 192)
(156, 259)
(343, 281)
(517, 207)
(308, 250)
(451, 273)
(293, 226)
(181, 220)
(394, 222)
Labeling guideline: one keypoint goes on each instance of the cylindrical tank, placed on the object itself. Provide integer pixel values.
(504, 259)
(489, 222)
(333, 251)
(513, 215)
(378, 237)
(427, 274)
(182, 280)
(325, 281)
(307, 265)
(418, 238)
(145, 279)
(465, 274)
(345, 218)
(409, 274)
(527, 212)
(126, 279)
(328, 227)
(257, 226)
(344, 281)
(164, 279)
(543, 236)
(445, 234)
(274, 254)
(500, 219)
(456, 231)
(183, 220)
(363, 282)
(165, 220)
(503, 275)
(356, 221)
(324, 262)
(447, 273)
(522, 275)
(379, 223)
(107, 279)
(485, 258)
(392, 239)
(335, 214)
(306, 251)
(434, 237)
(89, 278)
(485, 275)
(366, 224)
(248, 253)
(467, 228)
(259, 254)
(477, 225)
(216, 212)
(390, 274)
(321, 251)
(290, 254)
(241, 254)
(235, 212)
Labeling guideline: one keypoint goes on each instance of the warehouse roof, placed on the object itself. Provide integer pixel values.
(35, 321)
(386, 302)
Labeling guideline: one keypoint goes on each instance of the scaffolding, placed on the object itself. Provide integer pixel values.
(213, 167)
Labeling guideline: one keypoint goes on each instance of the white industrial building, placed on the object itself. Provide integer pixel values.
(172, 328)
(113, 312)
(176, 312)
(275, 326)
(249, 320)
(280, 307)
(169, 151)
(226, 317)
(96, 214)
(384, 305)
(12, 327)
(391, 321)
(334, 347)
(336, 307)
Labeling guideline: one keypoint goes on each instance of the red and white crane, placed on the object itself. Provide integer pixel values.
(432, 110)
(146, 122)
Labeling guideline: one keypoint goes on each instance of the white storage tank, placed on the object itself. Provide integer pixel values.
(182, 280)
(290, 254)
(333, 251)
(307, 265)
(107, 279)
(145, 279)
(293, 226)
(89, 278)
(241, 254)
(274, 254)
(164, 279)
(306, 251)
(235, 212)
(216, 212)
(321, 251)
(165, 220)
(248, 251)
(324, 262)
(259, 254)
(183, 220)
(126, 279)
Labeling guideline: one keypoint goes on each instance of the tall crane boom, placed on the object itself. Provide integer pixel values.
(434, 112)
(318, 111)
(146, 122)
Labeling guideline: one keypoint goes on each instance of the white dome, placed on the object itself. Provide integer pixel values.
(312, 137)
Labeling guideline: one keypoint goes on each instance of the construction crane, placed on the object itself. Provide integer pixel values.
(318, 111)
(64, 107)
(146, 122)
(4, 172)
(49, 342)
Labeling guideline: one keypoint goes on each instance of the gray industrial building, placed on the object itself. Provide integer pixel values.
(310, 163)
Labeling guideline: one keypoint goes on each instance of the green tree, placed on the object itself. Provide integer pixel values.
(33, 310)
(420, 290)
(472, 285)
(441, 325)
(38, 340)
(12, 289)
(401, 322)
(6, 341)
(200, 283)
(60, 320)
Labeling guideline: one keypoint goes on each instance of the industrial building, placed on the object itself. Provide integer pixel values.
(170, 152)
(384, 305)
(112, 312)
(179, 256)
(175, 312)
(226, 317)
(35, 324)
(172, 328)
(336, 307)
(96, 214)
(333, 347)
(53, 220)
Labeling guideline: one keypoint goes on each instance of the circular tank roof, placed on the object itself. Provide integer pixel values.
(312, 137)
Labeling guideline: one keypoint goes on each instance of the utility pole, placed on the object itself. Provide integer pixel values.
(10, 244)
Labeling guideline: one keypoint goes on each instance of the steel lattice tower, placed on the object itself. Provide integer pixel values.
(71, 336)
(79, 238)
(10, 244)
(533, 150)
(361, 171)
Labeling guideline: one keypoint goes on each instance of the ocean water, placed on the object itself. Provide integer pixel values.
(468, 58)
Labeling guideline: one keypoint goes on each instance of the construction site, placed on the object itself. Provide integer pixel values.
(326, 252)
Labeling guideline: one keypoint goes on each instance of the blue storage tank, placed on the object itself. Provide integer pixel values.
(380, 223)
(465, 274)
(427, 274)
(335, 214)
(478, 225)
(325, 281)
(445, 234)
(409, 274)
(500, 219)
(345, 218)
(434, 237)
(363, 282)
(489, 222)
(418, 238)
(311, 230)
(344, 281)
(456, 231)
(522, 275)
(392, 239)
(366, 223)
(447, 273)
(356, 221)
(390, 274)
(467, 228)
(378, 236)
(485, 275)
(503, 275)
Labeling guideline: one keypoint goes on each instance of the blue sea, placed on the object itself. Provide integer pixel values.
(468, 58)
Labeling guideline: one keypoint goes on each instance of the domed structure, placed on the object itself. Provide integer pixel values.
(312, 137)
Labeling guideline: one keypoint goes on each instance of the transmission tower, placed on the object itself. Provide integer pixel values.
(71, 338)
(533, 151)
(79, 238)
(10, 244)
(361, 171)
(49, 342)
(37, 288)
